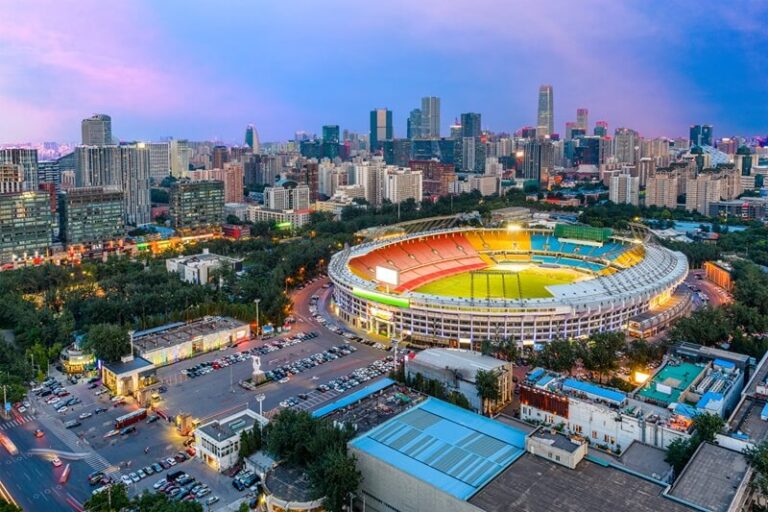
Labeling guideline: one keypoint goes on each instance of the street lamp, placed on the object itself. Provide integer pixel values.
(258, 321)
(260, 398)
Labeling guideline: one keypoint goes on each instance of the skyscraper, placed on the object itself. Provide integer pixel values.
(381, 127)
(582, 118)
(27, 159)
(601, 129)
(625, 145)
(179, 155)
(220, 156)
(252, 138)
(471, 124)
(414, 129)
(430, 117)
(97, 130)
(701, 135)
(331, 134)
(546, 119)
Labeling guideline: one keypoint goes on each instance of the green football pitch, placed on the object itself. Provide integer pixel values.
(529, 283)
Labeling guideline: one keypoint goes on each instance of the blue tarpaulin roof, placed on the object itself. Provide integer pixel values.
(685, 410)
(451, 448)
(722, 363)
(354, 397)
(707, 397)
(595, 391)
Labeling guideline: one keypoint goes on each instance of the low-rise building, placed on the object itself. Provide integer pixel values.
(173, 342)
(719, 272)
(457, 370)
(129, 376)
(217, 443)
(287, 218)
(200, 268)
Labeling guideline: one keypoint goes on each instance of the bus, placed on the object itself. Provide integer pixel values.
(8, 445)
(130, 418)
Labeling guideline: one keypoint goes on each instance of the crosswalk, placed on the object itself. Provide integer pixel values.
(15, 422)
(76, 444)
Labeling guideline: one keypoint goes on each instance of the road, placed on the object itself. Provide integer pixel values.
(716, 295)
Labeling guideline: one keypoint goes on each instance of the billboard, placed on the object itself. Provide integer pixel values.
(387, 276)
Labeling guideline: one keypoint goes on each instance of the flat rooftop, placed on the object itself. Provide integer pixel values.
(289, 483)
(134, 365)
(452, 449)
(711, 478)
(221, 430)
(359, 396)
(534, 484)
(376, 408)
(556, 439)
(747, 422)
(678, 376)
(465, 360)
(646, 460)
(176, 333)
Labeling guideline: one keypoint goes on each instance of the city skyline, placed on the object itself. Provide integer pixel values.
(63, 63)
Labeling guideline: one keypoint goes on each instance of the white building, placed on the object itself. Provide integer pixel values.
(403, 184)
(624, 189)
(295, 218)
(198, 268)
(217, 443)
(289, 196)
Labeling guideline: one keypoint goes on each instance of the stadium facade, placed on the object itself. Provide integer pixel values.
(377, 283)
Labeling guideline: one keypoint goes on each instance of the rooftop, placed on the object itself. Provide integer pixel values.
(469, 362)
(747, 421)
(675, 377)
(712, 477)
(556, 439)
(535, 484)
(357, 396)
(123, 367)
(646, 460)
(226, 428)
(176, 333)
(289, 483)
(376, 408)
(204, 257)
(455, 450)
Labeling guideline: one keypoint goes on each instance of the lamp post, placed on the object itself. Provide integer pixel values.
(258, 320)
(260, 398)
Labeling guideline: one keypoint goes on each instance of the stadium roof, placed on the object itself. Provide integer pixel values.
(451, 448)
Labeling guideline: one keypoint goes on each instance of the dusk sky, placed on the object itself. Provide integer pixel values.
(205, 69)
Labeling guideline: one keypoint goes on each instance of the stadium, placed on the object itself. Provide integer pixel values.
(458, 286)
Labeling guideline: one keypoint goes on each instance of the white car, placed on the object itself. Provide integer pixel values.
(62, 409)
(85, 415)
(126, 480)
(159, 483)
(171, 461)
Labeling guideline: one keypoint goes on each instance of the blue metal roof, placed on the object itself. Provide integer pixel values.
(535, 373)
(595, 391)
(707, 397)
(353, 397)
(764, 412)
(724, 364)
(451, 448)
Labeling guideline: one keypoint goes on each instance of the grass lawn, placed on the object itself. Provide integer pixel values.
(532, 283)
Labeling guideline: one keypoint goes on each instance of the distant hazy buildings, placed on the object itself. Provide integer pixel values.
(701, 135)
(159, 160)
(546, 116)
(252, 138)
(97, 130)
(430, 117)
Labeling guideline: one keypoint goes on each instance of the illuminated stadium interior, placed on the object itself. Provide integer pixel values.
(532, 284)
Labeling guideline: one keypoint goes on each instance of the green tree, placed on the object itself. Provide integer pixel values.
(8, 507)
(487, 384)
(112, 500)
(486, 347)
(706, 426)
(335, 478)
(757, 456)
(108, 342)
(156, 502)
(600, 352)
(706, 326)
(559, 355)
(678, 454)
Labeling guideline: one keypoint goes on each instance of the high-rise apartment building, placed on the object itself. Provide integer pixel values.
(180, 153)
(25, 225)
(402, 184)
(27, 159)
(252, 138)
(437, 178)
(624, 189)
(546, 115)
(430, 117)
(97, 166)
(234, 181)
(288, 195)
(219, 157)
(380, 128)
(701, 191)
(91, 215)
(582, 119)
(96, 130)
(625, 145)
(196, 205)
(471, 125)
(701, 135)
(134, 182)
(662, 190)
(159, 160)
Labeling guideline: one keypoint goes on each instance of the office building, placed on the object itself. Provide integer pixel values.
(662, 189)
(437, 177)
(27, 159)
(97, 130)
(485, 184)
(624, 189)
(98, 166)
(538, 160)
(11, 178)
(90, 215)
(413, 130)
(397, 152)
(601, 129)
(430, 117)
(471, 125)
(180, 153)
(25, 225)
(219, 157)
(546, 116)
(701, 135)
(159, 160)
(252, 138)
(287, 195)
(200, 268)
(473, 154)
(380, 128)
(331, 134)
(196, 205)
(582, 119)
(402, 184)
